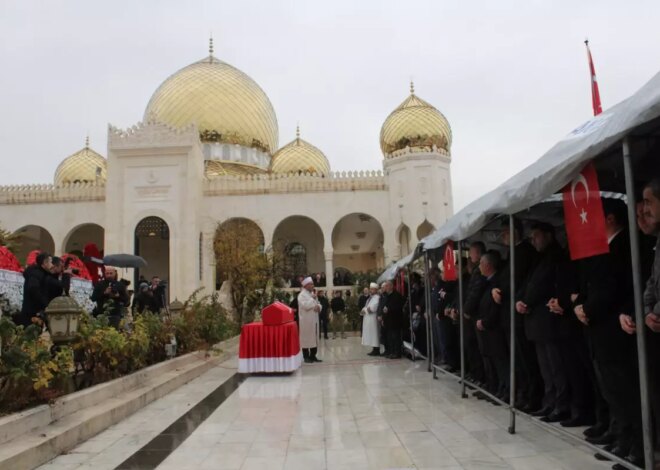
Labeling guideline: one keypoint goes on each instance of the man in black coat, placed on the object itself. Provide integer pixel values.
(489, 329)
(393, 319)
(606, 290)
(475, 289)
(323, 314)
(381, 319)
(529, 384)
(35, 292)
(110, 296)
(542, 326)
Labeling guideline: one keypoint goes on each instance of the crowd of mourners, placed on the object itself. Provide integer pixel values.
(50, 277)
(575, 344)
(319, 279)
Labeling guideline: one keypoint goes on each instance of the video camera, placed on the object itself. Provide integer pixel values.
(67, 263)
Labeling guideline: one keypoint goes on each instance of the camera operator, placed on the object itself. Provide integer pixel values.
(35, 298)
(59, 281)
(110, 296)
(144, 300)
(158, 288)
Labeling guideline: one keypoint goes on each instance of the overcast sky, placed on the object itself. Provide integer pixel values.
(511, 77)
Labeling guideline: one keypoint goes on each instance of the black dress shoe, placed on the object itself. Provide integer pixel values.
(316, 359)
(479, 395)
(394, 356)
(555, 417)
(308, 360)
(596, 430)
(577, 421)
(606, 438)
(531, 407)
(541, 412)
(635, 460)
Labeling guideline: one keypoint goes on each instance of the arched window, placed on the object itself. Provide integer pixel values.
(295, 259)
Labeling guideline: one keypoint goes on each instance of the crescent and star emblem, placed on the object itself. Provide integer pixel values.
(580, 179)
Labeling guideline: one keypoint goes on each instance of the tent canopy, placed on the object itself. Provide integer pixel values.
(556, 168)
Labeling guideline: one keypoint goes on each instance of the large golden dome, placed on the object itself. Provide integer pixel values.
(300, 156)
(415, 123)
(225, 104)
(84, 166)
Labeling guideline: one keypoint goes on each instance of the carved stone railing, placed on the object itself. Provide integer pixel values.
(49, 193)
(416, 150)
(295, 183)
(11, 288)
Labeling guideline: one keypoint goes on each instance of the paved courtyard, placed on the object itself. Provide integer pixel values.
(350, 412)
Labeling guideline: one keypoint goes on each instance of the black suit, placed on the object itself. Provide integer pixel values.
(605, 292)
(393, 319)
(529, 384)
(493, 344)
(323, 316)
(35, 296)
(542, 326)
(476, 287)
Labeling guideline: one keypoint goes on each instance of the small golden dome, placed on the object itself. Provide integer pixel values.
(213, 168)
(415, 123)
(225, 104)
(84, 166)
(300, 156)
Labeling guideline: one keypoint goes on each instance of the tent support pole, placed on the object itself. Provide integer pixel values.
(512, 313)
(460, 316)
(639, 310)
(410, 313)
(427, 309)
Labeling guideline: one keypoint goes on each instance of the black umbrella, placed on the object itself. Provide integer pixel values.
(124, 261)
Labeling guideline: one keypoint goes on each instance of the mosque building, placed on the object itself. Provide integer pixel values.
(207, 153)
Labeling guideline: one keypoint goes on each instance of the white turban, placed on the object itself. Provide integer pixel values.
(307, 280)
(373, 285)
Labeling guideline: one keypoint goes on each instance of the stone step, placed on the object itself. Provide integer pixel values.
(46, 431)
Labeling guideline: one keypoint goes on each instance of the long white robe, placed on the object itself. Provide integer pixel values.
(370, 323)
(309, 319)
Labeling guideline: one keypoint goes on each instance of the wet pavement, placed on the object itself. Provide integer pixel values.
(349, 412)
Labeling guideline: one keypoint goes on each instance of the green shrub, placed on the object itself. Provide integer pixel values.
(33, 371)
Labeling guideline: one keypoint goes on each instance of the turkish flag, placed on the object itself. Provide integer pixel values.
(449, 262)
(595, 93)
(584, 216)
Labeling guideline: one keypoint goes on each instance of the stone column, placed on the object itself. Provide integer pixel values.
(329, 269)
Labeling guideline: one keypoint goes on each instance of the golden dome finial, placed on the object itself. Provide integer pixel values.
(298, 131)
(87, 141)
(211, 48)
(412, 87)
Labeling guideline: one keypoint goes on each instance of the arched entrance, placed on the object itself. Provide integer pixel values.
(152, 242)
(425, 229)
(298, 241)
(82, 235)
(403, 237)
(33, 237)
(357, 242)
(235, 241)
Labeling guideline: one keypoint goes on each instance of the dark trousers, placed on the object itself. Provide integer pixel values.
(436, 354)
(394, 341)
(384, 338)
(444, 339)
(475, 364)
(619, 381)
(579, 371)
(323, 325)
(556, 393)
(502, 367)
(309, 353)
